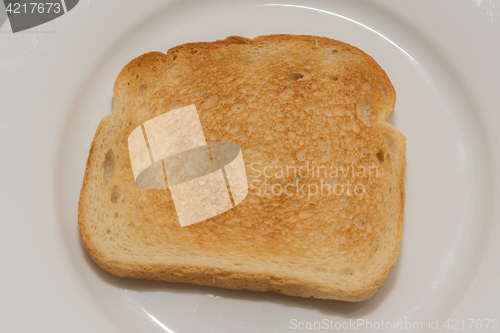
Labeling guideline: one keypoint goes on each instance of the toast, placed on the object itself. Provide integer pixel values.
(308, 112)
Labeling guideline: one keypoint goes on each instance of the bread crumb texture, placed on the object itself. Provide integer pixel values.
(288, 102)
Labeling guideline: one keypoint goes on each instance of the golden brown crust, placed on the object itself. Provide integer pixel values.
(141, 92)
(236, 281)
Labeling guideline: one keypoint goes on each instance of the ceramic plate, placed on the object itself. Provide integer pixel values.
(55, 86)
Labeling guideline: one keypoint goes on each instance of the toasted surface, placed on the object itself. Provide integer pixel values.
(287, 101)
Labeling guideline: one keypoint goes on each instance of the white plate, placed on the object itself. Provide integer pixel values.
(55, 86)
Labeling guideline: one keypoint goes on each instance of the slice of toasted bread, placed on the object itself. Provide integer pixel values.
(306, 111)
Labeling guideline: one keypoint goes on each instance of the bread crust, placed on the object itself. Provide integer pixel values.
(90, 214)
